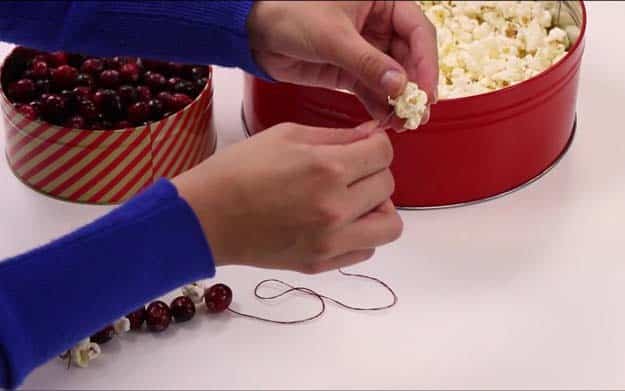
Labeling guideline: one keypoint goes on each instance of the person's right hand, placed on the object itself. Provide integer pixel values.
(296, 197)
(371, 48)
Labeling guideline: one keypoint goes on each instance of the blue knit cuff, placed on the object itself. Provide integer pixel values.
(145, 248)
(240, 12)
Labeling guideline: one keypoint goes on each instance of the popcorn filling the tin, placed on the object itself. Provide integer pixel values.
(484, 46)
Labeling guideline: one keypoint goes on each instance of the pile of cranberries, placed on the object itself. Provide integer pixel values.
(158, 315)
(84, 92)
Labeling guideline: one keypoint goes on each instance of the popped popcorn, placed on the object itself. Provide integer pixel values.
(194, 291)
(84, 352)
(488, 45)
(121, 326)
(410, 105)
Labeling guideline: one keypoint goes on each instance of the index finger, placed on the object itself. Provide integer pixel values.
(419, 34)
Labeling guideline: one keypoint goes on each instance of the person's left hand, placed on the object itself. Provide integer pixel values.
(368, 47)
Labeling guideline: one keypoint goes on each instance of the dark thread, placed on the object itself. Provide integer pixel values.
(67, 356)
(322, 298)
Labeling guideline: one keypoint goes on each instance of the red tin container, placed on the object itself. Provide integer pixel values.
(473, 148)
(106, 166)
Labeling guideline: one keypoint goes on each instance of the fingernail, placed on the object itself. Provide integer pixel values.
(392, 82)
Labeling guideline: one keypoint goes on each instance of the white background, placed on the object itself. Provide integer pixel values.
(523, 292)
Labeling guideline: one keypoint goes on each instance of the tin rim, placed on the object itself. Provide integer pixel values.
(502, 194)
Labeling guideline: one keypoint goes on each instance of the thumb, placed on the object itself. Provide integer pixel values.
(372, 67)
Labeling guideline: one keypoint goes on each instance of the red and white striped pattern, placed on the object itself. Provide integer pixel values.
(105, 167)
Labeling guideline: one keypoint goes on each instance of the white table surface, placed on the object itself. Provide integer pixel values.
(526, 291)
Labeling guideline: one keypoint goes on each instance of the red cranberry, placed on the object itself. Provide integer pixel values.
(36, 105)
(53, 108)
(76, 122)
(27, 111)
(104, 335)
(175, 68)
(75, 60)
(128, 94)
(153, 65)
(144, 93)
(172, 81)
(108, 103)
(130, 60)
(138, 112)
(129, 73)
(113, 63)
(24, 52)
(167, 98)
(113, 109)
(82, 92)
(201, 83)
(155, 81)
(84, 79)
(100, 96)
(70, 99)
(158, 316)
(22, 90)
(102, 125)
(92, 66)
(182, 309)
(64, 77)
(87, 109)
(29, 74)
(42, 86)
(199, 72)
(40, 70)
(123, 124)
(180, 101)
(156, 109)
(218, 298)
(136, 318)
(42, 57)
(109, 78)
(58, 59)
(185, 87)
(107, 125)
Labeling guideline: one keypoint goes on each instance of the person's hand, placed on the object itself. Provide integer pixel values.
(368, 47)
(296, 197)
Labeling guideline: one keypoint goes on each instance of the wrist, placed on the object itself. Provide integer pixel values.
(201, 203)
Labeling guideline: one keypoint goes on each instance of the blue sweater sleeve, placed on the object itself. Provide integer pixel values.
(200, 32)
(58, 294)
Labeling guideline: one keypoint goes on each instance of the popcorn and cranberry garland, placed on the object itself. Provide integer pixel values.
(157, 317)
(101, 93)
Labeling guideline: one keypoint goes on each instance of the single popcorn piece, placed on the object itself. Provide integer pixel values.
(194, 291)
(84, 352)
(484, 46)
(410, 105)
(121, 326)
